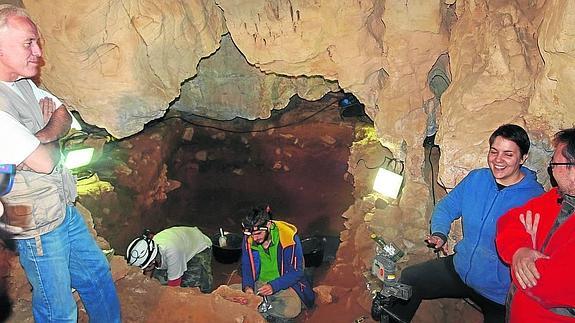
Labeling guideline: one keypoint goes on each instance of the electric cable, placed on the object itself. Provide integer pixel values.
(395, 317)
(248, 131)
(365, 164)
(389, 161)
(432, 175)
(81, 134)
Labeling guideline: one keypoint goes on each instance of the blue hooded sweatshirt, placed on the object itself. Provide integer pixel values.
(478, 201)
(290, 264)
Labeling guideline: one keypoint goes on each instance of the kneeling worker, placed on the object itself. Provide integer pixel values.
(273, 264)
(177, 256)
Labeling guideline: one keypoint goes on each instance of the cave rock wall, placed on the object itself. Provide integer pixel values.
(227, 86)
(120, 63)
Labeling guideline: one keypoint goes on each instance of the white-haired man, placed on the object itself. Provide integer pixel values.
(55, 247)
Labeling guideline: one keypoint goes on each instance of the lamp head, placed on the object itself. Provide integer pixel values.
(387, 183)
(78, 158)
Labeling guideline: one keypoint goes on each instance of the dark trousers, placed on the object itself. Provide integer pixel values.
(198, 273)
(437, 278)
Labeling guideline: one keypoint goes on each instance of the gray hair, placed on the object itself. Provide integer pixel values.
(8, 10)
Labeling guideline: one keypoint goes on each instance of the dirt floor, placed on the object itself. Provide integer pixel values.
(298, 168)
(295, 161)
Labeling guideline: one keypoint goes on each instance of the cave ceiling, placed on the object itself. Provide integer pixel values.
(121, 64)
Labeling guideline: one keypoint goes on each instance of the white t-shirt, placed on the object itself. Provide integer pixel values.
(16, 142)
(38, 92)
(21, 142)
(177, 246)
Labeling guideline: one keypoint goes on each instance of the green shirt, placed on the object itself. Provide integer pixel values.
(269, 258)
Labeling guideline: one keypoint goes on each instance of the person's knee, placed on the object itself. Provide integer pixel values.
(287, 310)
(286, 304)
(409, 275)
(292, 312)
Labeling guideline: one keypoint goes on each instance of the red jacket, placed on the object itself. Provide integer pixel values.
(556, 287)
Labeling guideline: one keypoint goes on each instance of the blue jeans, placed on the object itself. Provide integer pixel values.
(71, 259)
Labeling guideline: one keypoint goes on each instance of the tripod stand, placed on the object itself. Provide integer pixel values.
(380, 309)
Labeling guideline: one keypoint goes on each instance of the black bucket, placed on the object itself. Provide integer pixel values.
(231, 252)
(313, 251)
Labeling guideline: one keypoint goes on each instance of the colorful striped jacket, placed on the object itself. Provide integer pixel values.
(290, 264)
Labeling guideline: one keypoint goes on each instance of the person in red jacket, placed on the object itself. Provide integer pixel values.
(538, 241)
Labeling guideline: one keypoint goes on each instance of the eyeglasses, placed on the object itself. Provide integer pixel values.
(552, 164)
(7, 172)
(250, 231)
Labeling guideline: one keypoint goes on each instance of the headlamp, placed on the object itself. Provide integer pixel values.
(250, 231)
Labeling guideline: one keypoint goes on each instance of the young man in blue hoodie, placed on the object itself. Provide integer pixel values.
(273, 264)
(475, 270)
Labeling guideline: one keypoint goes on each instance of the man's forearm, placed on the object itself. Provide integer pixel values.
(57, 127)
(43, 159)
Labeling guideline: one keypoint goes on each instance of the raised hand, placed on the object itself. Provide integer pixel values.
(530, 223)
(48, 107)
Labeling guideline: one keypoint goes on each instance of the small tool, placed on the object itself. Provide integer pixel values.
(265, 305)
(222, 240)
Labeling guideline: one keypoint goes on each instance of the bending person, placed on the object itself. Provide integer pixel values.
(177, 256)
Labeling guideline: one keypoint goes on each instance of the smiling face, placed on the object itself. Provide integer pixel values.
(20, 53)
(505, 160)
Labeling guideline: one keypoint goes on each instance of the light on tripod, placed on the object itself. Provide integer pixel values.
(78, 158)
(388, 180)
(387, 183)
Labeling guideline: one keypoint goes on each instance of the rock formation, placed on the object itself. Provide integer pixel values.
(122, 64)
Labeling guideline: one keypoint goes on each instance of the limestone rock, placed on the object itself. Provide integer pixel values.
(551, 107)
(328, 140)
(202, 155)
(188, 134)
(492, 82)
(323, 294)
(227, 86)
(120, 63)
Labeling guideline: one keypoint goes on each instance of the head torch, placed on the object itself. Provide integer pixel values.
(250, 231)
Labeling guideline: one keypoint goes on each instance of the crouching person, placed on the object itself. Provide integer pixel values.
(177, 256)
(273, 265)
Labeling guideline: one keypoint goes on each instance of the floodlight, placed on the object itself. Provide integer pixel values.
(387, 183)
(78, 158)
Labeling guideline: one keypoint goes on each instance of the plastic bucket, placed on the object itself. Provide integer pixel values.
(312, 251)
(231, 252)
